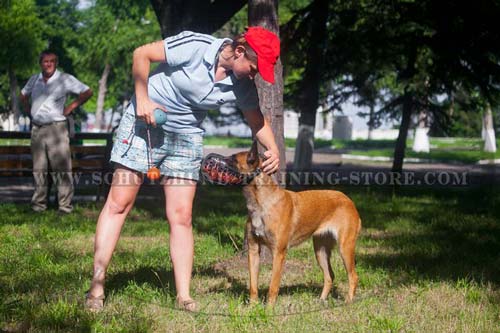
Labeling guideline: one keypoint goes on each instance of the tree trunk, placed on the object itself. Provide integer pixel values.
(205, 16)
(304, 147)
(421, 141)
(110, 124)
(308, 100)
(451, 109)
(101, 96)
(399, 150)
(14, 99)
(265, 13)
(490, 144)
(370, 121)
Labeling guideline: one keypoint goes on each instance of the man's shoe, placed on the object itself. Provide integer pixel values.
(37, 209)
(63, 212)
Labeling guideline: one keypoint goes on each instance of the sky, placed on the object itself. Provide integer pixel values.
(82, 4)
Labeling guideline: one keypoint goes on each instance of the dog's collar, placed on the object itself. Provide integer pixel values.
(247, 178)
(252, 175)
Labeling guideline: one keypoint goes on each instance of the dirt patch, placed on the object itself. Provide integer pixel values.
(235, 269)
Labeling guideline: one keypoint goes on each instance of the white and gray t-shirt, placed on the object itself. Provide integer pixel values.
(48, 98)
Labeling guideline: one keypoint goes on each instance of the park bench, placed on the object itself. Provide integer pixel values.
(87, 160)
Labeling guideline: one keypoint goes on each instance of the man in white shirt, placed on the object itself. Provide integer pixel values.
(49, 135)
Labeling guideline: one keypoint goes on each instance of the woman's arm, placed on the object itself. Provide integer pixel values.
(142, 59)
(263, 133)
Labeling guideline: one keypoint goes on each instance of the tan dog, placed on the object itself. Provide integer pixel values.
(281, 219)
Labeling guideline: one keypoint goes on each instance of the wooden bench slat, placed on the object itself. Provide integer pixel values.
(15, 150)
(82, 164)
(13, 164)
(87, 150)
(16, 160)
(27, 165)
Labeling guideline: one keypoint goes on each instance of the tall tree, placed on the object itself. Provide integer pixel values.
(490, 144)
(111, 30)
(459, 52)
(421, 141)
(414, 51)
(21, 43)
(315, 32)
(264, 13)
(61, 21)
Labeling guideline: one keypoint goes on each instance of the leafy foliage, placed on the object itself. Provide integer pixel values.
(377, 50)
(20, 35)
(109, 32)
(20, 41)
(4, 94)
(61, 20)
(400, 57)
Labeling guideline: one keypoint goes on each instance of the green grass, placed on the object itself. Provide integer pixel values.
(457, 143)
(464, 150)
(15, 142)
(445, 150)
(427, 260)
(443, 155)
(235, 142)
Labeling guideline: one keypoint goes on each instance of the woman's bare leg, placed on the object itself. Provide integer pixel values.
(179, 194)
(121, 198)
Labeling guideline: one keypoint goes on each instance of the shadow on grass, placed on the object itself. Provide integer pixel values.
(411, 233)
(220, 200)
(163, 280)
(427, 233)
(238, 281)
(450, 235)
(237, 277)
(220, 211)
(157, 277)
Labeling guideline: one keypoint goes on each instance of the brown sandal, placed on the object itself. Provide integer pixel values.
(94, 304)
(188, 305)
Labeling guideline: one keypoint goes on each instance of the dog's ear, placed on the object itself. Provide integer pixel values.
(253, 154)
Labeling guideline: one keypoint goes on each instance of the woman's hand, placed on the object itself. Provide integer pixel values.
(272, 162)
(145, 111)
(264, 135)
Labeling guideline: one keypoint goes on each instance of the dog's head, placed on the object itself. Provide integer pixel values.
(238, 169)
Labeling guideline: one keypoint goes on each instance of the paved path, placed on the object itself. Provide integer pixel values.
(328, 169)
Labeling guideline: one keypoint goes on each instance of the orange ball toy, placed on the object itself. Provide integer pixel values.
(153, 173)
